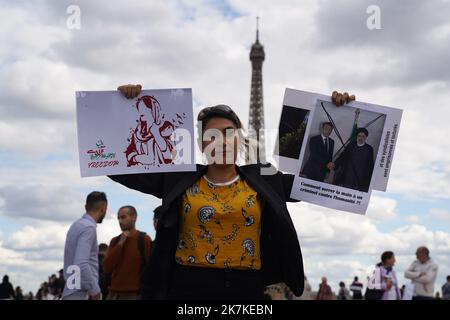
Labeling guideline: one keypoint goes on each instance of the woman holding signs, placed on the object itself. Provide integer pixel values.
(224, 231)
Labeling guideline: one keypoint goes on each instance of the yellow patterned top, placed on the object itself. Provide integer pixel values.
(220, 226)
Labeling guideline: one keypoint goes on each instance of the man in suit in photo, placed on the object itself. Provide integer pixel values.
(320, 154)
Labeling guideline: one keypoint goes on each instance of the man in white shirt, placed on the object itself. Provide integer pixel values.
(422, 273)
(81, 252)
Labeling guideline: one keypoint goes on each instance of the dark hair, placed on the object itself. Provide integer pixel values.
(131, 209)
(386, 256)
(448, 278)
(5, 278)
(221, 111)
(356, 278)
(102, 246)
(327, 124)
(157, 212)
(425, 249)
(341, 284)
(94, 199)
(363, 130)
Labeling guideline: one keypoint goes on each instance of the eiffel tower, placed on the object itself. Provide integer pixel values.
(256, 117)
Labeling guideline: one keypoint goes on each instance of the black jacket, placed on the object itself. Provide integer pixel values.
(281, 257)
(358, 172)
(316, 166)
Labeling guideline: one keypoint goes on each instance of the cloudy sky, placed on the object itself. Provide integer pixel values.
(310, 45)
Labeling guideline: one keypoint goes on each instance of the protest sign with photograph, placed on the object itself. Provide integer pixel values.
(338, 154)
(153, 132)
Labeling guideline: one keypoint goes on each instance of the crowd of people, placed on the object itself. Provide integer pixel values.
(383, 284)
(422, 272)
(48, 290)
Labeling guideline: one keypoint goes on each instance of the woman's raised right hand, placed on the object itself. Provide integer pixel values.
(130, 91)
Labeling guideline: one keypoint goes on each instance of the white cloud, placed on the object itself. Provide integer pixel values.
(440, 214)
(382, 208)
(412, 219)
(45, 237)
(328, 232)
(49, 235)
(34, 138)
(39, 202)
(11, 257)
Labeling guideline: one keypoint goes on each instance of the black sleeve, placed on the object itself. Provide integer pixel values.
(343, 157)
(371, 161)
(331, 151)
(288, 181)
(150, 183)
(314, 151)
(370, 166)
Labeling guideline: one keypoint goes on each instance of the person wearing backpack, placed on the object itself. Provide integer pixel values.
(384, 285)
(127, 257)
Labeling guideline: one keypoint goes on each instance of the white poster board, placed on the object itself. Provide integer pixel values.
(153, 132)
(359, 168)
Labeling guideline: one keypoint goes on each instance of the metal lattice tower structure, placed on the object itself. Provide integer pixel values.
(256, 117)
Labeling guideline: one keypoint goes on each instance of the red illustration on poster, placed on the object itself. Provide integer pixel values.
(151, 141)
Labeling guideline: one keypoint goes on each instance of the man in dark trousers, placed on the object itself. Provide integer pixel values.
(356, 163)
(320, 154)
(104, 278)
